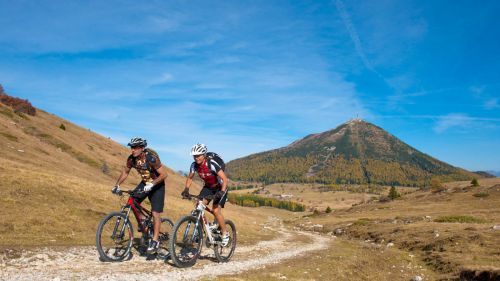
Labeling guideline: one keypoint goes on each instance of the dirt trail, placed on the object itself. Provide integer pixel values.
(82, 263)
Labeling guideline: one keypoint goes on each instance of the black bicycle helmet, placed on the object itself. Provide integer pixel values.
(135, 142)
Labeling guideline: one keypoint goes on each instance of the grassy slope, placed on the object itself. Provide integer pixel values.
(53, 190)
(343, 260)
(423, 244)
(411, 224)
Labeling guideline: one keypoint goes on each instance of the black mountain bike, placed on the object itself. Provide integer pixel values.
(115, 236)
(189, 232)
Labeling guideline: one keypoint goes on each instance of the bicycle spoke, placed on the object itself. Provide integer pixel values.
(164, 238)
(186, 243)
(114, 237)
(224, 253)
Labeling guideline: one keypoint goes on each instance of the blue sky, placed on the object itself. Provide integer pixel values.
(248, 76)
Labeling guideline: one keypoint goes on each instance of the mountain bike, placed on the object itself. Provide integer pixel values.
(188, 234)
(115, 236)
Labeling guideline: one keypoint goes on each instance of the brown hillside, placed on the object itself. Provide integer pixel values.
(55, 183)
(455, 232)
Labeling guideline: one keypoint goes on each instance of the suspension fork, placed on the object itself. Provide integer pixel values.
(195, 231)
(113, 236)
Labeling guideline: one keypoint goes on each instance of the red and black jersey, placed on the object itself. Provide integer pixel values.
(208, 172)
(146, 165)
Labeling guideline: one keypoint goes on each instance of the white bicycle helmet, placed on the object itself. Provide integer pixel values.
(134, 142)
(198, 149)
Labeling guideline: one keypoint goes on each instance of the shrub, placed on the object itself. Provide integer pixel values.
(384, 199)
(436, 185)
(474, 182)
(328, 210)
(393, 193)
(19, 105)
(250, 200)
(62, 127)
(105, 168)
(362, 221)
(459, 219)
(481, 194)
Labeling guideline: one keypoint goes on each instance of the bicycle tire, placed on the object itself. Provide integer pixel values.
(165, 230)
(186, 241)
(224, 253)
(114, 237)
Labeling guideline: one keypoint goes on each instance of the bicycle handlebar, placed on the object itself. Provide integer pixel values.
(191, 196)
(130, 192)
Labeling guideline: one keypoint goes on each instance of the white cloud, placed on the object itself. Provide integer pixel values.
(477, 90)
(452, 120)
(492, 103)
(464, 122)
(353, 34)
(164, 78)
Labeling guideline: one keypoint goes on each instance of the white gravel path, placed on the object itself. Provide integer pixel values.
(82, 263)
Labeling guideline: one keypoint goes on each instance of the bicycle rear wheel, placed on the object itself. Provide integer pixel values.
(186, 241)
(224, 253)
(114, 237)
(165, 231)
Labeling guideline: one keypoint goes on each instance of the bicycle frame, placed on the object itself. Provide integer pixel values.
(115, 233)
(137, 210)
(199, 214)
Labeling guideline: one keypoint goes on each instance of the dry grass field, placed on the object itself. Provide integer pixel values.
(319, 196)
(55, 184)
(344, 260)
(453, 231)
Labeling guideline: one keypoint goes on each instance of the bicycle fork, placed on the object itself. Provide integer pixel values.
(117, 224)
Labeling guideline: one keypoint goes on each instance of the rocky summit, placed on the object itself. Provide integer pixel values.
(356, 152)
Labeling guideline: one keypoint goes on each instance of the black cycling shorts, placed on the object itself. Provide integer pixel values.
(156, 196)
(209, 191)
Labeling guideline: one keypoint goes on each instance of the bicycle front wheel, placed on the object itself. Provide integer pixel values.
(164, 238)
(114, 237)
(224, 253)
(186, 241)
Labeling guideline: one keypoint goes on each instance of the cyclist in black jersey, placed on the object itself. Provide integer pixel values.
(153, 174)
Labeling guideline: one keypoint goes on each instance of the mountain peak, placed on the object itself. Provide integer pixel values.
(355, 152)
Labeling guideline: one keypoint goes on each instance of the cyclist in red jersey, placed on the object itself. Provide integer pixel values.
(153, 174)
(215, 184)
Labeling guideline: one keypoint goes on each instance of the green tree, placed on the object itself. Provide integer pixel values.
(474, 182)
(393, 193)
(436, 185)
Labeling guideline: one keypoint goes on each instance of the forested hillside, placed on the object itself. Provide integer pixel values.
(356, 152)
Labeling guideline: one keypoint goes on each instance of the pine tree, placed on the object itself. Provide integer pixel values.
(474, 182)
(393, 193)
